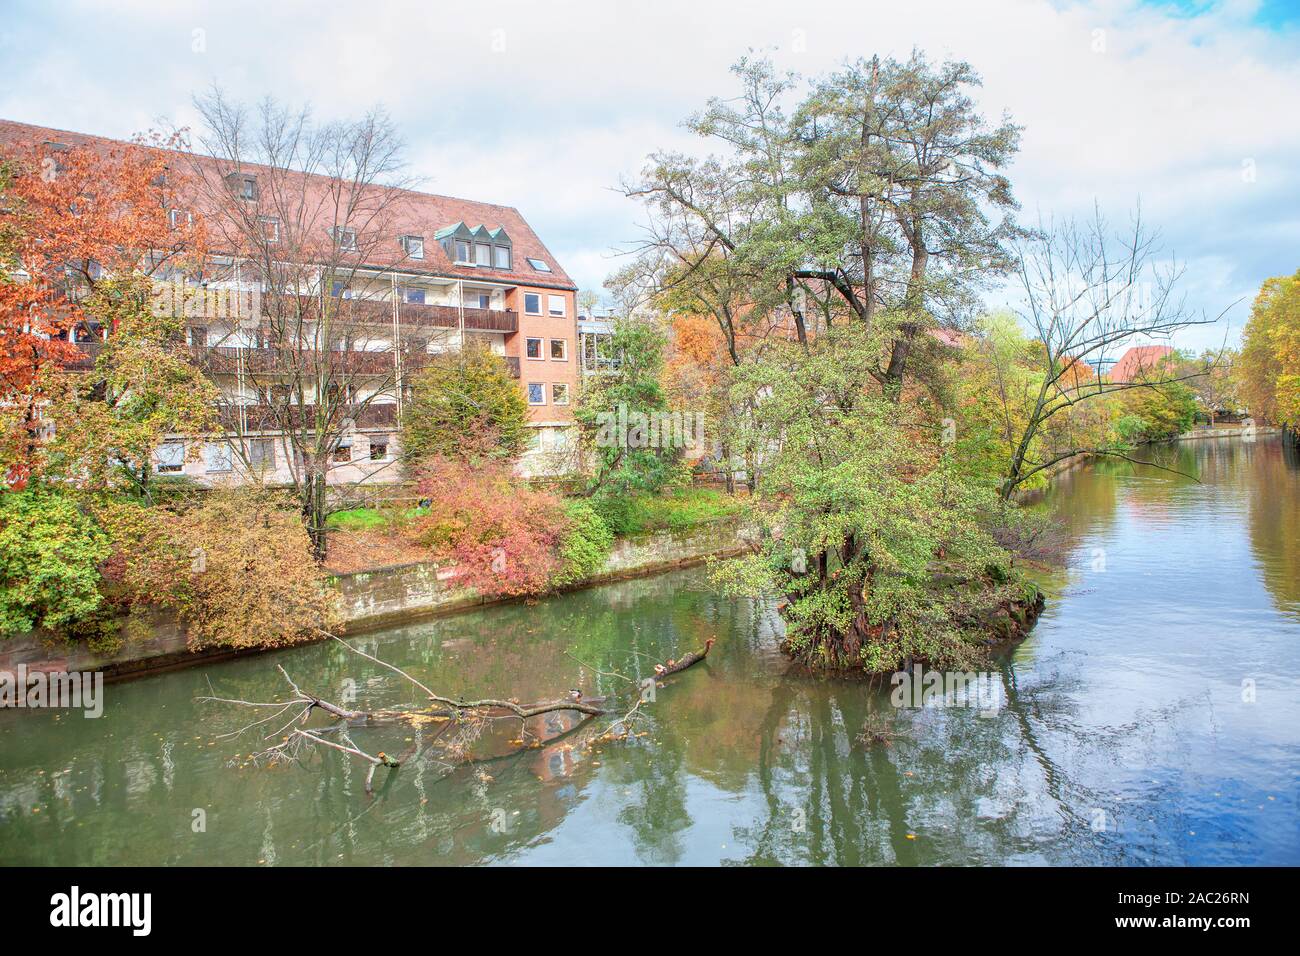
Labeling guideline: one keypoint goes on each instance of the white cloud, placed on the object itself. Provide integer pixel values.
(545, 106)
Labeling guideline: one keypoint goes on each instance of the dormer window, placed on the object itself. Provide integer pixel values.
(244, 185)
(414, 246)
(346, 238)
(480, 246)
(270, 227)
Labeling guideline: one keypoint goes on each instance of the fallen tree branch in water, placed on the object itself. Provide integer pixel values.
(469, 717)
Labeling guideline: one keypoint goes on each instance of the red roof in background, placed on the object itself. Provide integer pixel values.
(950, 337)
(425, 215)
(1138, 359)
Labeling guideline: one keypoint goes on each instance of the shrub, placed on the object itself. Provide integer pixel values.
(586, 546)
(501, 536)
(237, 566)
(49, 562)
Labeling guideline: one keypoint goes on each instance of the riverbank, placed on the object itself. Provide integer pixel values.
(375, 598)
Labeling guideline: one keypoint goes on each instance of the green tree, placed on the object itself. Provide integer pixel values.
(49, 562)
(1156, 414)
(619, 414)
(143, 388)
(464, 397)
(882, 549)
(878, 200)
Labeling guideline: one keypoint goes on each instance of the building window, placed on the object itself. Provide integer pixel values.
(411, 296)
(532, 303)
(540, 265)
(378, 447)
(534, 348)
(243, 185)
(340, 290)
(536, 393)
(261, 453)
(216, 457)
(343, 453)
(597, 350)
(171, 457)
(560, 350)
(179, 217)
(199, 335)
(501, 257)
(346, 238)
(414, 246)
(462, 252)
(482, 254)
(559, 393)
(555, 303)
(270, 228)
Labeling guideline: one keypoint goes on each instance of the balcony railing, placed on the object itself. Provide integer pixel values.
(224, 359)
(269, 417)
(380, 312)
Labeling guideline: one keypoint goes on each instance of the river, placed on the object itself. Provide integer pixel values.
(1152, 717)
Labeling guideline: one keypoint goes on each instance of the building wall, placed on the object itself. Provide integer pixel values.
(546, 371)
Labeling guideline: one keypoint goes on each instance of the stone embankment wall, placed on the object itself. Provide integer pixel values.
(371, 599)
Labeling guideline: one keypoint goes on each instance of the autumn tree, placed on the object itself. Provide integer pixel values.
(1268, 371)
(74, 217)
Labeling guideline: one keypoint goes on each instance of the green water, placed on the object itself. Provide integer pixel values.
(1123, 737)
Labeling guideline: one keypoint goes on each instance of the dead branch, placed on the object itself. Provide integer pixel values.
(468, 717)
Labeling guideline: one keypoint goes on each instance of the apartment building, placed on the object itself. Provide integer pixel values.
(448, 271)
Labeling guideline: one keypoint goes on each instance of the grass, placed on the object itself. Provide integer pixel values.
(370, 519)
(673, 510)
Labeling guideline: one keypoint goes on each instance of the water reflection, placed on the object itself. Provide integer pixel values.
(1124, 737)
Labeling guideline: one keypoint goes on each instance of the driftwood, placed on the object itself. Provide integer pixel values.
(467, 716)
(674, 667)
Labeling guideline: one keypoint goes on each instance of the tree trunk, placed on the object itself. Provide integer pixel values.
(313, 511)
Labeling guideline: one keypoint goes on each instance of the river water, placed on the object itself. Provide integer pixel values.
(1152, 717)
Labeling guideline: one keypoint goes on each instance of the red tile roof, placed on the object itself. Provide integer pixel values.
(424, 215)
(1139, 359)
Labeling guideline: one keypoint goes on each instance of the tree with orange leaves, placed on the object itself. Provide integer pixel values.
(70, 218)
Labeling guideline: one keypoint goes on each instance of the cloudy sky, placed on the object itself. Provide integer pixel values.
(1189, 106)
